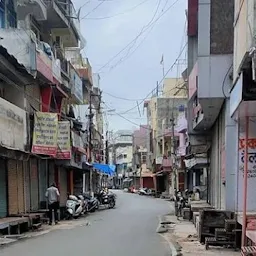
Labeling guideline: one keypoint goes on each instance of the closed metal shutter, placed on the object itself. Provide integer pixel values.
(34, 185)
(63, 187)
(27, 185)
(42, 183)
(51, 173)
(3, 189)
(20, 187)
(13, 207)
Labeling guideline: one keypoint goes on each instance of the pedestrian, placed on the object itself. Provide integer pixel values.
(53, 197)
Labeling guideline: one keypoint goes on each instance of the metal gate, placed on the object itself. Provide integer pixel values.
(43, 184)
(20, 187)
(3, 189)
(78, 182)
(13, 207)
(34, 193)
(27, 185)
(63, 186)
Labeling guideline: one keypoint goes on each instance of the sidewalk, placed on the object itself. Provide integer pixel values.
(182, 235)
(62, 225)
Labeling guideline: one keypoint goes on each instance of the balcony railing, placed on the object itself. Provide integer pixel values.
(167, 162)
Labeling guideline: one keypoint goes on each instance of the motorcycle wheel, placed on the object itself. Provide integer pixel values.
(112, 204)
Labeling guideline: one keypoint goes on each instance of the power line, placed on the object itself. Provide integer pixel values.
(146, 27)
(121, 98)
(159, 81)
(95, 8)
(118, 14)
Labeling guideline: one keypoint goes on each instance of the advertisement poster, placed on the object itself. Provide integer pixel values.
(251, 174)
(63, 141)
(45, 134)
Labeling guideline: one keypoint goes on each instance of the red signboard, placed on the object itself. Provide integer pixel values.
(51, 151)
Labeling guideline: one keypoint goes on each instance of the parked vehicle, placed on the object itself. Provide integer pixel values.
(74, 207)
(106, 198)
(145, 192)
(92, 203)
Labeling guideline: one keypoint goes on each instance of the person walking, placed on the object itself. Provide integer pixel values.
(53, 197)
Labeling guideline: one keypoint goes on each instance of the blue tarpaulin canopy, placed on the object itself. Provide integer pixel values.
(105, 168)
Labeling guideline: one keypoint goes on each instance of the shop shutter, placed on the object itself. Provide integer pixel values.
(51, 173)
(148, 182)
(42, 183)
(34, 185)
(13, 207)
(63, 186)
(3, 189)
(78, 182)
(20, 187)
(27, 185)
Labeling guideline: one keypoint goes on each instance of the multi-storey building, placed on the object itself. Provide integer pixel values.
(210, 48)
(42, 139)
(162, 113)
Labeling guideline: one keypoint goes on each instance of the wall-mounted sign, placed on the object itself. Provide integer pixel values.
(251, 174)
(77, 85)
(13, 126)
(63, 141)
(45, 134)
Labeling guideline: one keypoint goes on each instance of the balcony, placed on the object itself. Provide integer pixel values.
(77, 142)
(19, 43)
(62, 21)
(37, 7)
(206, 90)
(167, 162)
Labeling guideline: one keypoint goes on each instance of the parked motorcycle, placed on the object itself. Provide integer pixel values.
(92, 203)
(105, 198)
(74, 207)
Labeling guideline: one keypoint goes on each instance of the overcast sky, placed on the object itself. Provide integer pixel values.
(134, 72)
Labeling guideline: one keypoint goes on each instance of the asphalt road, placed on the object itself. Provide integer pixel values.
(127, 230)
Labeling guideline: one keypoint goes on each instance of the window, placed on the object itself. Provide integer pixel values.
(2, 14)
(11, 15)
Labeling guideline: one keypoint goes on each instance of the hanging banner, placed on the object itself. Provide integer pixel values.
(63, 141)
(45, 134)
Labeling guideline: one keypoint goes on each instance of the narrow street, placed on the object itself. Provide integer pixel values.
(129, 229)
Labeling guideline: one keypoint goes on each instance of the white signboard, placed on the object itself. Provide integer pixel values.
(77, 85)
(13, 127)
(251, 175)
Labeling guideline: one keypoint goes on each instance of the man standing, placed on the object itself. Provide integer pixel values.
(53, 196)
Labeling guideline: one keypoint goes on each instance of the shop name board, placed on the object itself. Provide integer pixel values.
(63, 141)
(45, 134)
(13, 127)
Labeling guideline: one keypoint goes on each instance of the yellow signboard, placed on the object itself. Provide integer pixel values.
(63, 141)
(45, 133)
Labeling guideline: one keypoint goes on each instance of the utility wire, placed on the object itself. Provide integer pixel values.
(120, 13)
(171, 67)
(146, 27)
(95, 8)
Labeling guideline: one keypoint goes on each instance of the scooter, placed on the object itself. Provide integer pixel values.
(74, 207)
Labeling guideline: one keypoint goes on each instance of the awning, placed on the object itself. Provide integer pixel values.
(104, 168)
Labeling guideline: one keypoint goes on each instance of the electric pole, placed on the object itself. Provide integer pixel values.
(106, 150)
(90, 141)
